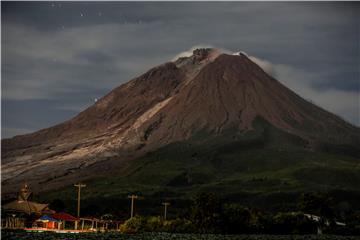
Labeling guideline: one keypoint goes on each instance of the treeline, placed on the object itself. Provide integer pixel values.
(209, 215)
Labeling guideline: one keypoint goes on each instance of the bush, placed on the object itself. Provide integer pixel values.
(262, 223)
(133, 225)
(316, 203)
(293, 223)
(235, 219)
(206, 213)
(139, 224)
(179, 226)
(153, 224)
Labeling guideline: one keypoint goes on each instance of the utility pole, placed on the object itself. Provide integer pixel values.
(79, 186)
(132, 196)
(166, 204)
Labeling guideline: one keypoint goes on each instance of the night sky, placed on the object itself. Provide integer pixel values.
(57, 57)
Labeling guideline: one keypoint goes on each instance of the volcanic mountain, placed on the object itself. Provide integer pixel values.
(207, 121)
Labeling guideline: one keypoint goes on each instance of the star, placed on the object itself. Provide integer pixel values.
(81, 14)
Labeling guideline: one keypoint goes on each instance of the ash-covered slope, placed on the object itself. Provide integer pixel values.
(231, 92)
(208, 93)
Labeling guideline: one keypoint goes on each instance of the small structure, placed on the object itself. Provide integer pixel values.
(49, 222)
(18, 211)
(93, 221)
(65, 217)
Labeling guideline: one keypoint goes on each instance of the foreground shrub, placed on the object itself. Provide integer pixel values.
(133, 225)
(293, 223)
(179, 226)
(235, 219)
(153, 224)
(206, 213)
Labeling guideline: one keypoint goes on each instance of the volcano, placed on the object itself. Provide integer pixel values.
(210, 121)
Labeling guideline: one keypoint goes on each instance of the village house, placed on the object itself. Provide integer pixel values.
(21, 213)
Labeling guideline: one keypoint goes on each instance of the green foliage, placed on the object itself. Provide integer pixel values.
(262, 223)
(139, 224)
(179, 225)
(293, 223)
(134, 225)
(153, 224)
(187, 168)
(236, 219)
(206, 213)
(316, 203)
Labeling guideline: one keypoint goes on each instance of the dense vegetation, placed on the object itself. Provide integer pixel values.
(258, 180)
(266, 169)
(208, 214)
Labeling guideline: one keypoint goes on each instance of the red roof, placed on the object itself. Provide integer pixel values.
(64, 216)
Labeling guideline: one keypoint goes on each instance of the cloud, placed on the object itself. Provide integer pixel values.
(57, 63)
(265, 65)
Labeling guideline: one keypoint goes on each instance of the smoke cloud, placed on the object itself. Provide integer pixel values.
(267, 66)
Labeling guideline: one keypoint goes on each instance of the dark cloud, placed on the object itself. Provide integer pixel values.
(96, 57)
(59, 56)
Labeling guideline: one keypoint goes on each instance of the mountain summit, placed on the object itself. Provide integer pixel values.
(212, 109)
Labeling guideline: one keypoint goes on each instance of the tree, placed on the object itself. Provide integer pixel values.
(206, 213)
(133, 225)
(154, 224)
(293, 223)
(236, 219)
(317, 204)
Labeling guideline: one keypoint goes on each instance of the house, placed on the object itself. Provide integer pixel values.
(16, 213)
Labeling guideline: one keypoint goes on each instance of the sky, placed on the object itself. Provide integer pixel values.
(58, 57)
